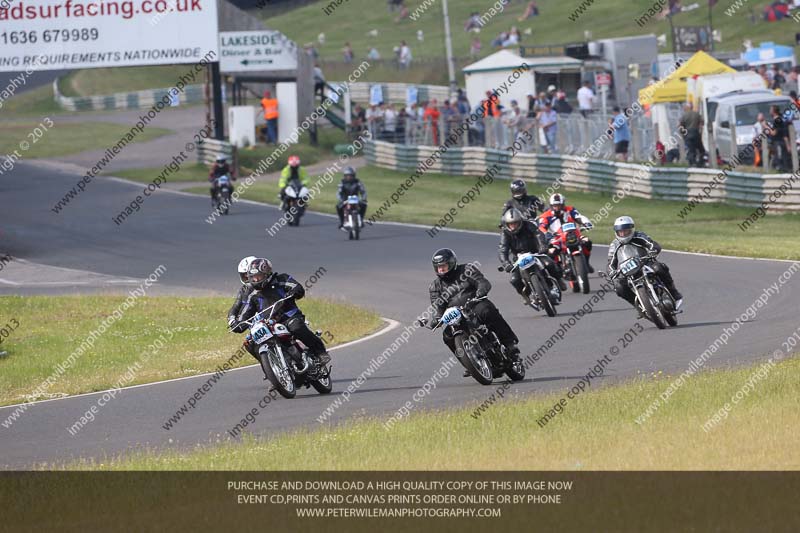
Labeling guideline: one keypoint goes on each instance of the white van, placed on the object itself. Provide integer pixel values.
(701, 92)
(741, 110)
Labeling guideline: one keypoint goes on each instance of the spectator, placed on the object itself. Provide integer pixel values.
(779, 79)
(400, 131)
(779, 139)
(403, 13)
(513, 38)
(498, 41)
(542, 100)
(374, 120)
(311, 51)
(531, 11)
(405, 55)
(692, 123)
(270, 107)
(319, 81)
(561, 105)
(389, 122)
(622, 134)
(475, 48)
(394, 4)
(431, 118)
(551, 94)
(359, 118)
(347, 52)
(513, 121)
(448, 112)
(531, 105)
(586, 99)
(373, 54)
(473, 22)
(548, 121)
(463, 103)
(758, 130)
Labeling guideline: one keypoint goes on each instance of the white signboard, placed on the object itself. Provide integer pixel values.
(247, 51)
(68, 34)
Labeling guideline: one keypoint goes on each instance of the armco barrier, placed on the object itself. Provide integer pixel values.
(591, 175)
(133, 100)
(209, 149)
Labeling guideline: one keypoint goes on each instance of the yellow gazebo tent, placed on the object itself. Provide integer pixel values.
(673, 87)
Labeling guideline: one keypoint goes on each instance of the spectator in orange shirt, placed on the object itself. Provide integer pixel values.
(432, 115)
(270, 107)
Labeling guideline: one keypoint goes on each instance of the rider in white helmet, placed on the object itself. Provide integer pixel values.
(244, 290)
(625, 232)
(561, 212)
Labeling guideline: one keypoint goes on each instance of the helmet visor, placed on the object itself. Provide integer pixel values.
(257, 277)
(243, 277)
(513, 226)
(556, 207)
(442, 268)
(623, 233)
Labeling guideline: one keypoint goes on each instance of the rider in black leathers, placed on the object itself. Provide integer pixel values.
(268, 288)
(220, 168)
(350, 186)
(625, 232)
(529, 205)
(453, 286)
(520, 236)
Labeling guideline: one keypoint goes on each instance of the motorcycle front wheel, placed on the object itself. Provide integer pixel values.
(277, 372)
(543, 295)
(652, 311)
(475, 360)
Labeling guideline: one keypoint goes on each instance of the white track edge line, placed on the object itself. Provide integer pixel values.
(391, 324)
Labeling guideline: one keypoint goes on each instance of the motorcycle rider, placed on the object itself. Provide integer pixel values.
(218, 169)
(269, 287)
(520, 236)
(528, 205)
(560, 211)
(625, 232)
(454, 285)
(350, 186)
(292, 172)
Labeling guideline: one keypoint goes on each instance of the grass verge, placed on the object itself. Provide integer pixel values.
(193, 329)
(710, 228)
(66, 138)
(187, 173)
(596, 431)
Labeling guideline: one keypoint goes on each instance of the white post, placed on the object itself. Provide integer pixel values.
(448, 43)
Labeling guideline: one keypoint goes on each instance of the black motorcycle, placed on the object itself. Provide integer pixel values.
(542, 288)
(653, 299)
(477, 347)
(222, 197)
(286, 362)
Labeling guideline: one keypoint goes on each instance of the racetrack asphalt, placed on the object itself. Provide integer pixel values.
(389, 271)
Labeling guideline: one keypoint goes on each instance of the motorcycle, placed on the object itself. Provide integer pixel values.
(543, 289)
(295, 197)
(352, 217)
(653, 299)
(222, 198)
(477, 347)
(569, 245)
(285, 361)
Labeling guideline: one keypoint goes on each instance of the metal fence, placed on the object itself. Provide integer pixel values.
(515, 132)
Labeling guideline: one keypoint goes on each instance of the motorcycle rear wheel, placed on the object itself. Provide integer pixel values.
(323, 385)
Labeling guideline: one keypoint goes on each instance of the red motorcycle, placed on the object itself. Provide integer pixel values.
(571, 254)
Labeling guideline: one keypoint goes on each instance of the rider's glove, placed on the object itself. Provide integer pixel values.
(551, 250)
(588, 224)
(231, 321)
(508, 267)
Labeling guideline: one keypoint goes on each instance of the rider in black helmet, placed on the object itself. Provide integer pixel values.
(522, 236)
(453, 286)
(527, 204)
(350, 186)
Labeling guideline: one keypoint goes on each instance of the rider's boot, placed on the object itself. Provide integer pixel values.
(323, 358)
